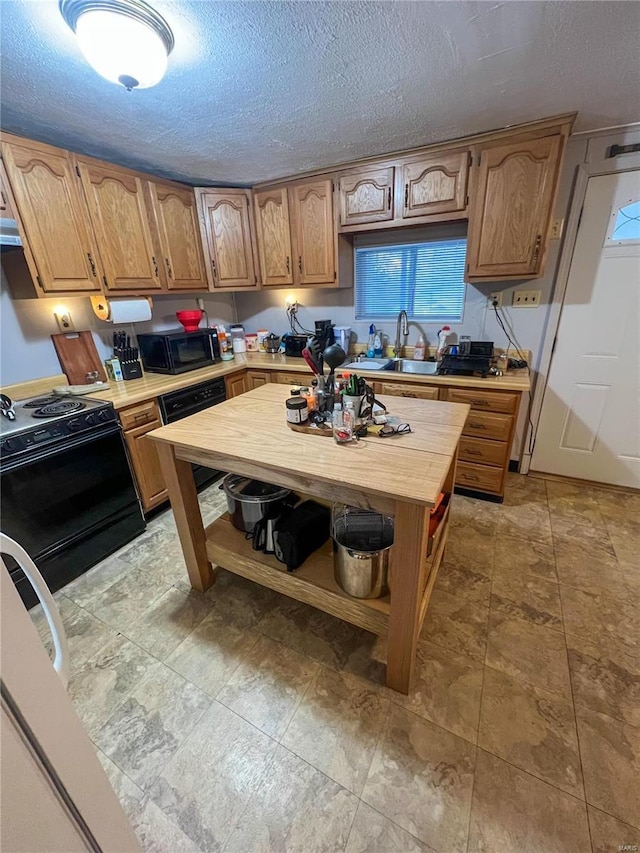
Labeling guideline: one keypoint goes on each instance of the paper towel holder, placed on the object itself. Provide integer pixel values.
(102, 309)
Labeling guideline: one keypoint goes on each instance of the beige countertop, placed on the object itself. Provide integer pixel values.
(123, 394)
(248, 433)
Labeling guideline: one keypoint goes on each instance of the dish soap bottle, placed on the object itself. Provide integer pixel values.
(370, 343)
(377, 345)
(419, 349)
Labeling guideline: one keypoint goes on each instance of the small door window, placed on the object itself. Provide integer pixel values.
(624, 225)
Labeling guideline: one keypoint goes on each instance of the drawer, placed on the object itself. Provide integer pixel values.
(485, 452)
(480, 477)
(488, 425)
(136, 416)
(400, 389)
(489, 401)
(283, 378)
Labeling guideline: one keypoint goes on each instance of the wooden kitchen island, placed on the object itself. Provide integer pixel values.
(401, 476)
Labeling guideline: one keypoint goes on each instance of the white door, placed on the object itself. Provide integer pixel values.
(590, 421)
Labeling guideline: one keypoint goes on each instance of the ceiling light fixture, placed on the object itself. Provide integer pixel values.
(126, 41)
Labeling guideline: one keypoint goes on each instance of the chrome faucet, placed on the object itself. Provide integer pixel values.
(402, 327)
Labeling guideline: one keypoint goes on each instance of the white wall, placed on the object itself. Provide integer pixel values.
(26, 349)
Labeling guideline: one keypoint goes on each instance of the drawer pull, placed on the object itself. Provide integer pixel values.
(408, 394)
(476, 425)
(479, 402)
(470, 452)
(470, 476)
(141, 416)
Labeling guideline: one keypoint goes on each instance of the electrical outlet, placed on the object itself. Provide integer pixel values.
(65, 323)
(526, 298)
(556, 229)
(495, 299)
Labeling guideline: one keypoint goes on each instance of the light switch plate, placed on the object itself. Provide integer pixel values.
(526, 298)
(556, 229)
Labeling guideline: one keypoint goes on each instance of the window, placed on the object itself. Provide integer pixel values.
(624, 224)
(426, 279)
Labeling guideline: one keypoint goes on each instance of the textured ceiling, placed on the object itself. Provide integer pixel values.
(265, 89)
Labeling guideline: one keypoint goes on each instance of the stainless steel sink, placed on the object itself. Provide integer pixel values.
(407, 365)
(370, 364)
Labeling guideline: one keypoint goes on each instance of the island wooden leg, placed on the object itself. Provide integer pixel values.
(178, 477)
(408, 559)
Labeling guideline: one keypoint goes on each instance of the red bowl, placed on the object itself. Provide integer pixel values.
(190, 319)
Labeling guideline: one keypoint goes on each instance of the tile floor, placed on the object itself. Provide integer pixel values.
(242, 721)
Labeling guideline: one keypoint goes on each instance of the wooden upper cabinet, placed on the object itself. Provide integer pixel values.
(225, 223)
(366, 196)
(49, 199)
(312, 230)
(175, 216)
(509, 221)
(435, 185)
(274, 236)
(115, 198)
(6, 208)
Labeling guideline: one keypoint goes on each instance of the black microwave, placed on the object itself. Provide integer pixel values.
(178, 352)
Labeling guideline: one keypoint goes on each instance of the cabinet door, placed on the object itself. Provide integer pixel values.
(401, 389)
(227, 232)
(5, 201)
(509, 220)
(312, 229)
(435, 185)
(366, 196)
(274, 236)
(121, 223)
(54, 216)
(256, 378)
(176, 219)
(146, 465)
(235, 384)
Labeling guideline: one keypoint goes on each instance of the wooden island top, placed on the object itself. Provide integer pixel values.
(401, 475)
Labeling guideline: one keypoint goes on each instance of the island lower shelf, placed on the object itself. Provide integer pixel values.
(313, 583)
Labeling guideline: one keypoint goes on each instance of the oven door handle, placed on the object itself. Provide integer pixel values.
(49, 606)
(31, 458)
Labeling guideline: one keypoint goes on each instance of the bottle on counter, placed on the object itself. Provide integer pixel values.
(237, 338)
(377, 345)
(309, 396)
(371, 341)
(262, 334)
(226, 350)
(296, 408)
(251, 339)
(419, 349)
(342, 424)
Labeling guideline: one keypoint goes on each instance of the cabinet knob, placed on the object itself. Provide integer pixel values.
(155, 267)
(169, 271)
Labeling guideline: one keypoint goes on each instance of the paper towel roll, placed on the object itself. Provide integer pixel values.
(121, 310)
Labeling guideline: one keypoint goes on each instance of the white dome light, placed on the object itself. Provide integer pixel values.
(125, 41)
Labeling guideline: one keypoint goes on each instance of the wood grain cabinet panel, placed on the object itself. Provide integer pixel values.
(484, 400)
(119, 217)
(5, 202)
(176, 219)
(235, 384)
(488, 425)
(435, 185)
(256, 378)
(366, 196)
(483, 452)
(136, 422)
(481, 478)
(226, 231)
(513, 198)
(293, 379)
(274, 236)
(312, 229)
(52, 210)
(402, 389)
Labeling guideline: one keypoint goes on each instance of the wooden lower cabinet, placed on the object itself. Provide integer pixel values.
(283, 378)
(256, 378)
(403, 389)
(483, 454)
(143, 453)
(236, 384)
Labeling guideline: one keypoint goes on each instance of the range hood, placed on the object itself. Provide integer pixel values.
(9, 234)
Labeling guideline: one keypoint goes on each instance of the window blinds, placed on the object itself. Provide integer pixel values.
(425, 279)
